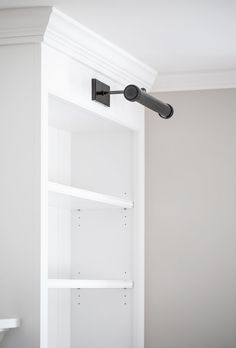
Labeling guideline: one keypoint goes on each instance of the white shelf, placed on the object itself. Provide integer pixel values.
(79, 198)
(89, 284)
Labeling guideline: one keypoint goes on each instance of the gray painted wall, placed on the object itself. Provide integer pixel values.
(191, 222)
(20, 192)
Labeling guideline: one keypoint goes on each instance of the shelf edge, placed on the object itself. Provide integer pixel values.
(89, 195)
(89, 284)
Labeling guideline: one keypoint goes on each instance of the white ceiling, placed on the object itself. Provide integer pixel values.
(172, 36)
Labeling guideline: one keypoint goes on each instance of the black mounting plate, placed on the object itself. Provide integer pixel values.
(100, 92)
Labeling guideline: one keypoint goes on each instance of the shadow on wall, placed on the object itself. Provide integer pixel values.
(191, 222)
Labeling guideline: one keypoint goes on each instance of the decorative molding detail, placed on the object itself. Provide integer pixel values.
(23, 25)
(195, 81)
(72, 38)
(48, 25)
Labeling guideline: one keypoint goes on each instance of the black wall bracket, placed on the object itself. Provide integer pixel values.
(101, 93)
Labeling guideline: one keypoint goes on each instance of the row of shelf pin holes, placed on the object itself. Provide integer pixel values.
(125, 298)
(125, 217)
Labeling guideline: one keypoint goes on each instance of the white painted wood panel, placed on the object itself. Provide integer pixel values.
(59, 318)
(59, 241)
(59, 155)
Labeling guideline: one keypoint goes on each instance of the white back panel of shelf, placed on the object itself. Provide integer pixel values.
(101, 318)
(102, 244)
(102, 162)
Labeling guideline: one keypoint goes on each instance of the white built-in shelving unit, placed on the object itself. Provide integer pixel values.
(72, 187)
(91, 232)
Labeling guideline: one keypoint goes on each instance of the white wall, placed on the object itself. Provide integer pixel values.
(191, 222)
(20, 192)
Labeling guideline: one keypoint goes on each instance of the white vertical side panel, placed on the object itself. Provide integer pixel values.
(53, 154)
(59, 312)
(59, 155)
(44, 216)
(59, 242)
(59, 235)
(139, 238)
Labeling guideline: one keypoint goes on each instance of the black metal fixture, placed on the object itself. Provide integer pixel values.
(101, 93)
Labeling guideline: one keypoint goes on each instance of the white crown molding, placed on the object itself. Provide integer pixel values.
(48, 25)
(195, 81)
(23, 25)
(70, 37)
